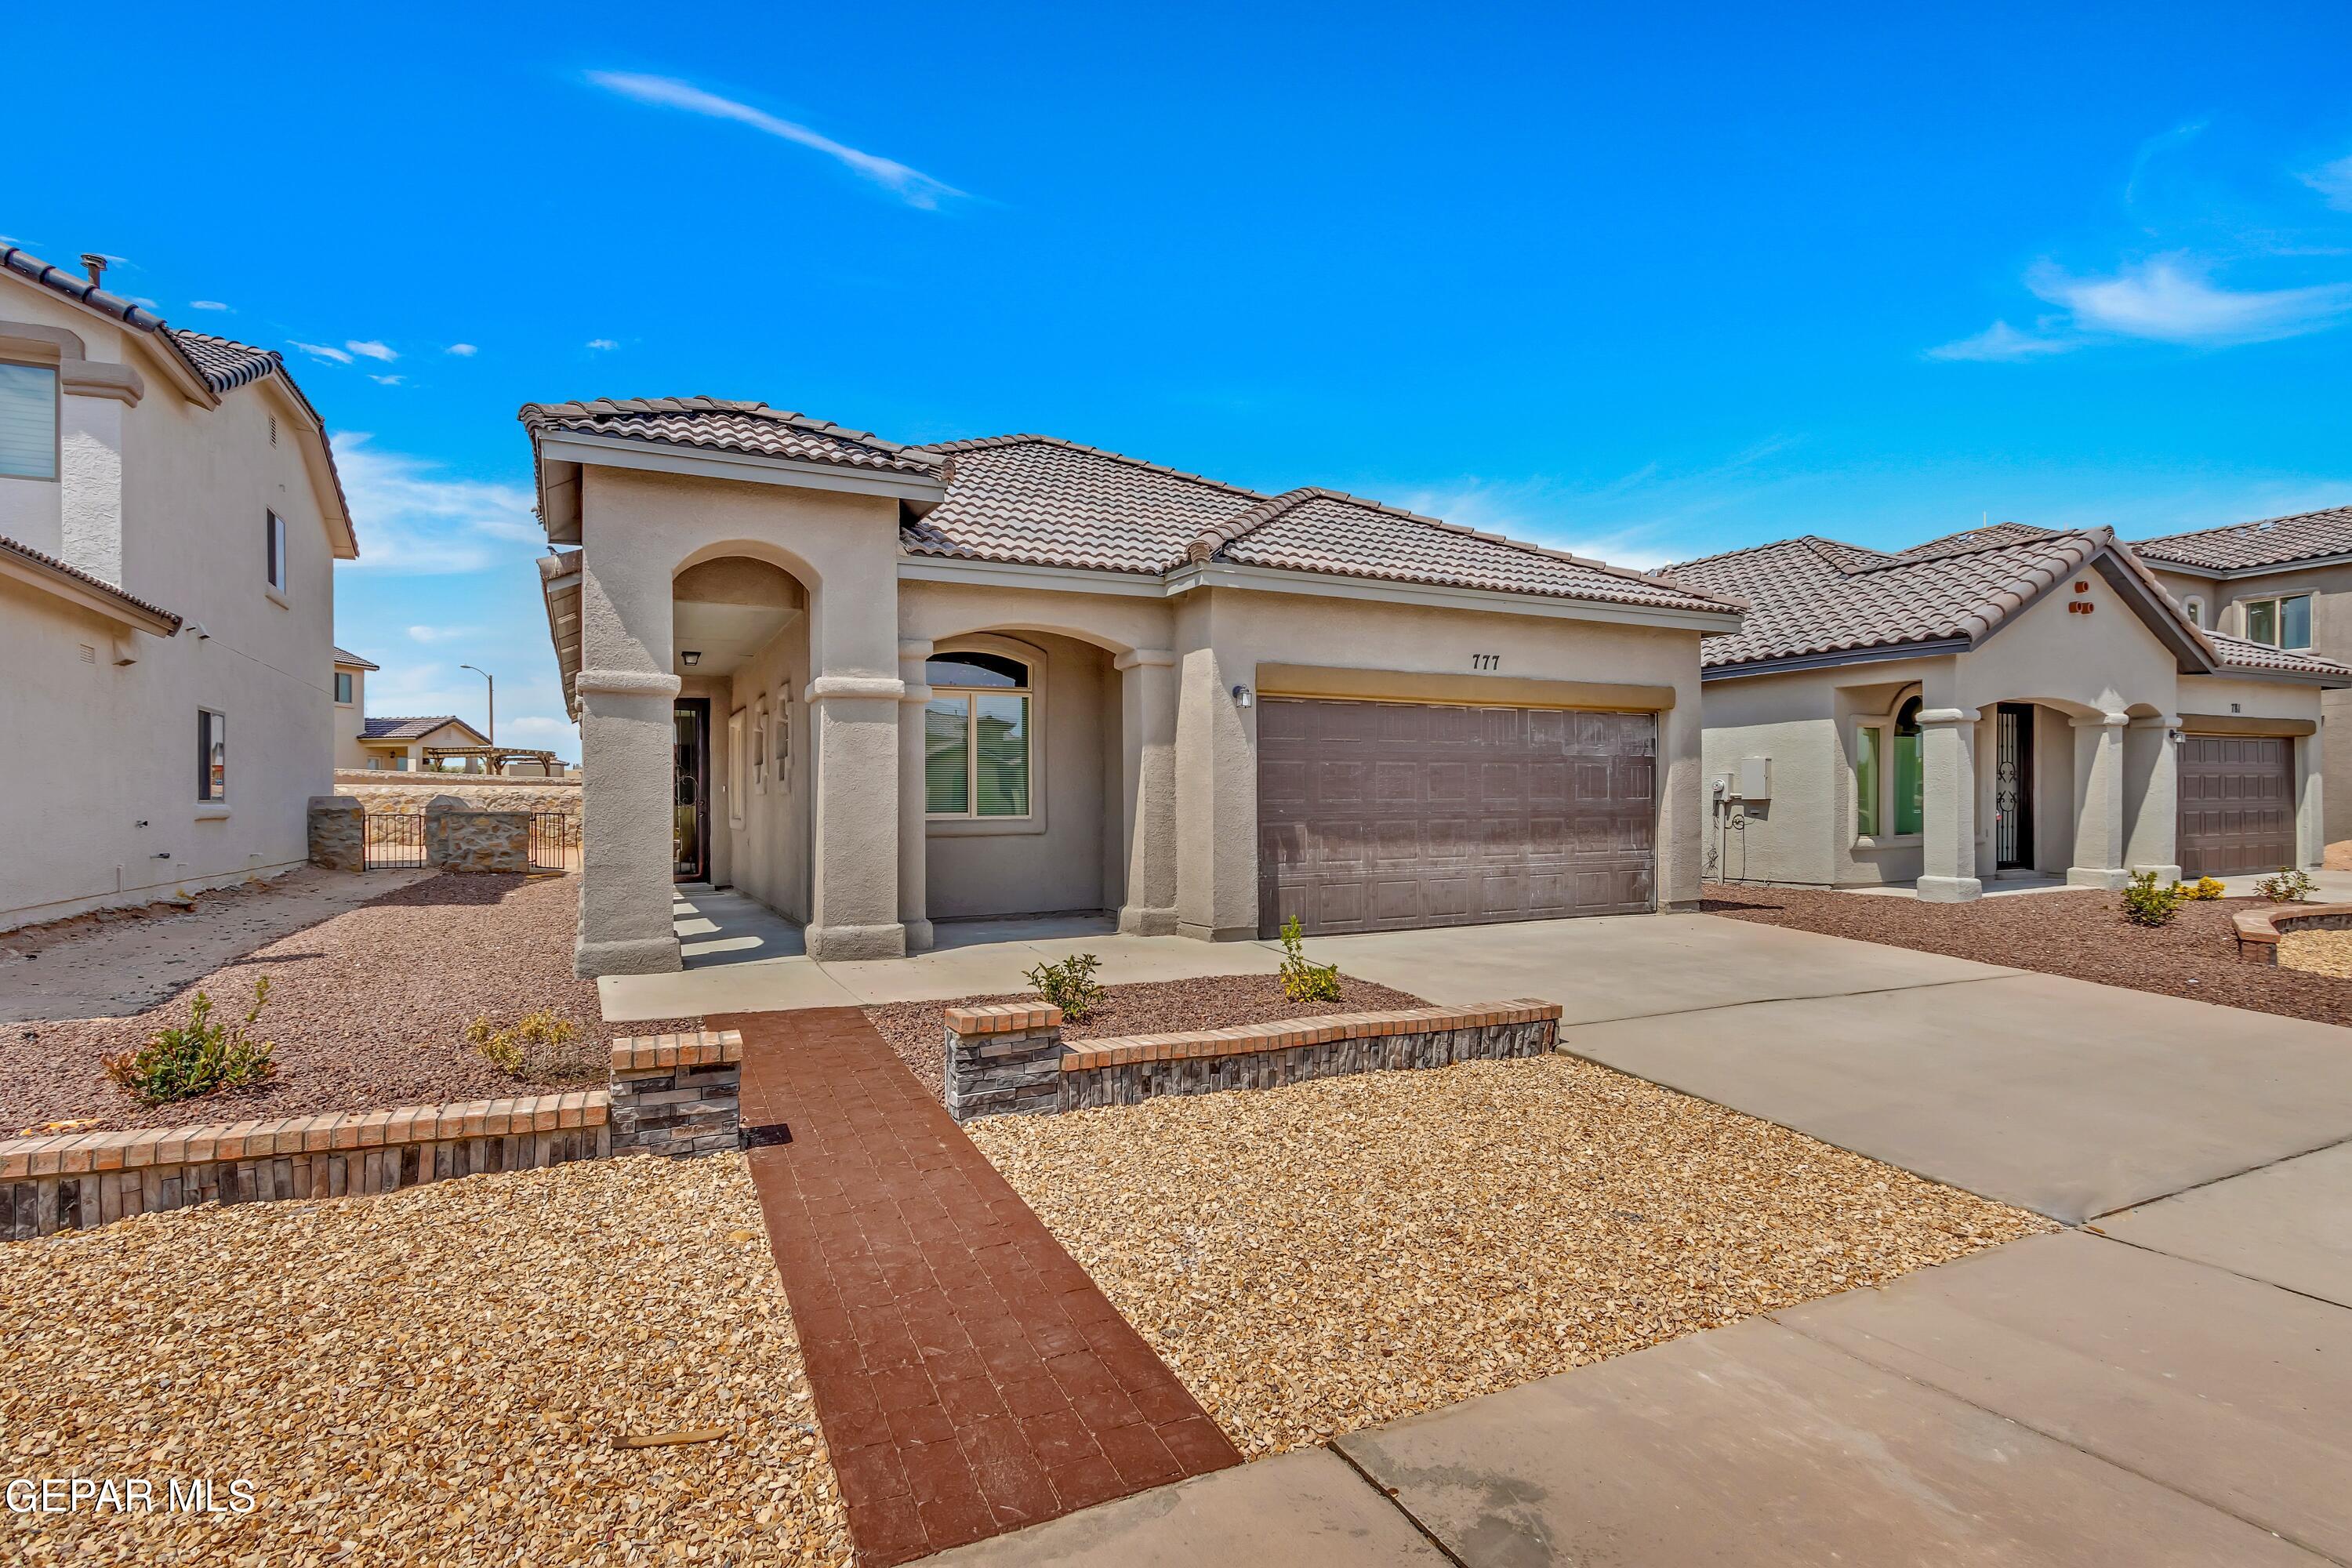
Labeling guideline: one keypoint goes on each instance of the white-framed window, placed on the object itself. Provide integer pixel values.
(2283, 622)
(343, 687)
(2195, 609)
(735, 768)
(274, 546)
(28, 421)
(212, 757)
(977, 737)
(1889, 782)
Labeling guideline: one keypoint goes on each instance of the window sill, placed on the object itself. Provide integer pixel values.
(1890, 841)
(277, 597)
(981, 826)
(208, 812)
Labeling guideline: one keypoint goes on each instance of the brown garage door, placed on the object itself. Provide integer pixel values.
(2237, 803)
(1389, 816)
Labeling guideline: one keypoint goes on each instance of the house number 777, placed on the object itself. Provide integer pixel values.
(1485, 661)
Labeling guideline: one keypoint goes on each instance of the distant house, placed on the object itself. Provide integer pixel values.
(399, 744)
(350, 708)
(170, 519)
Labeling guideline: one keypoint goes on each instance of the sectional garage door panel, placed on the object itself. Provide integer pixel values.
(2237, 803)
(1390, 815)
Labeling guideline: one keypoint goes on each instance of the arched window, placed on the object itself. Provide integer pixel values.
(976, 733)
(1910, 813)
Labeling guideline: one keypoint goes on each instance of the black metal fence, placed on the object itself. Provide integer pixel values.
(396, 840)
(554, 841)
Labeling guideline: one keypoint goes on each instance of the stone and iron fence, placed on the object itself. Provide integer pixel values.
(670, 1094)
(455, 835)
(1011, 1059)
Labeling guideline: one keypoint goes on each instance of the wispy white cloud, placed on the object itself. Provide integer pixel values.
(463, 351)
(911, 185)
(538, 727)
(323, 350)
(440, 634)
(387, 380)
(2333, 181)
(2170, 299)
(206, 305)
(2002, 342)
(370, 349)
(602, 343)
(412, 518)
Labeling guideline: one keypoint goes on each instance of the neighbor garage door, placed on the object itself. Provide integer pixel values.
(2237, 803)
(1388, 815)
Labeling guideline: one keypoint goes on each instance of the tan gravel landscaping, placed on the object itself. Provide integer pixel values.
(2316, 952)
(1322, 1257)
(449, 1375)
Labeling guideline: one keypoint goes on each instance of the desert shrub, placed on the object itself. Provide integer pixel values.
(1302, 980)
(1070, 985)
(539, 1048)
(2289, 886)
(195, 1057)
(2149, 902)
(2205, 887)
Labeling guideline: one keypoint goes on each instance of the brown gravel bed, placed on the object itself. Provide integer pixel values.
(914, 1029)
(366, 1010)
(438, 1375)
(2080, 932)
(1322, 1257)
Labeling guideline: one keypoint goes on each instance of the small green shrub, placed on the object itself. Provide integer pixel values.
(2205, 887)
(1302, 980)
(538, 1048)
(195, 1057)
(1070, 985)
(2149, 902)
(2288, 886)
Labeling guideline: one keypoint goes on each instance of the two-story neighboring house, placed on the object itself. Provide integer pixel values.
(170, 518)
(2285, 583)
(351, 709)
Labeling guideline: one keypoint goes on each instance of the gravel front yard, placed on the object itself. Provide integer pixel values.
(1322, 1257)
(914, 1029)
(367, 1010)
(2080, 932)
(444, 1375)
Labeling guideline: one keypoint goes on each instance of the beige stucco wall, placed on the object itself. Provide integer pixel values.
(767, 855)
(349, 719)
(172, 497)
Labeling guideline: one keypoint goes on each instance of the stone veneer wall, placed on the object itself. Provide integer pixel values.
(678, 1094)
(460, 838)
(81, 1180)
(478, 792)
(1013, 1059)
(337, 833)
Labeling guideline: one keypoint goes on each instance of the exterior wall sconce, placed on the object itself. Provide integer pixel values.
(691, 657)
(1242, 698)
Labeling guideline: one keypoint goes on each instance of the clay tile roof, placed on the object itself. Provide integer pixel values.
(1812, 596)
(224, 362)
(2240, 654)
(1048, 502)
(346, 656)
(1970, 540)
(719, 424)
(1323, 530)
(404, 729)
(43, 558)
(2267, 541)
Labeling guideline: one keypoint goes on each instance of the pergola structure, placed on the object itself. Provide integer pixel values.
(494, 759)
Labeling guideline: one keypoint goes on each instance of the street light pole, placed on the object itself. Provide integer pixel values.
(485, 674)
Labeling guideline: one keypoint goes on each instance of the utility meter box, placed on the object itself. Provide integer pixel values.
(1754, 781)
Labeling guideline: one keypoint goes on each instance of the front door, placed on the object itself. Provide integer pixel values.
(690, 793)
(2012, 787)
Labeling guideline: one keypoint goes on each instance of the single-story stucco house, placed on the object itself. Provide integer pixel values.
(2008, 700)
(399, 744)
(874, 686)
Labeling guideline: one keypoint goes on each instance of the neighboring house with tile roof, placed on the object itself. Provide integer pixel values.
(875, 685)
(397, 745)
(2283, 582)
(2004, 702)
(350, 675)
(170, 518)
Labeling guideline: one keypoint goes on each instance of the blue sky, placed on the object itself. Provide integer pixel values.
(1646, 286)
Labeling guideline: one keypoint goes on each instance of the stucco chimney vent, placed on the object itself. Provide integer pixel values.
(96, 261)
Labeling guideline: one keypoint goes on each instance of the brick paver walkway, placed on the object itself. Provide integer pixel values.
(970, 1376)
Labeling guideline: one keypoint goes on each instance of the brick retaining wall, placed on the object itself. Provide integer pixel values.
(81, 1180)
(2259, 930)
(1012, 1059)
(678, 1094)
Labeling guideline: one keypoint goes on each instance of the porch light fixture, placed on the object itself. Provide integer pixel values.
(1242, 698)
(691, 657)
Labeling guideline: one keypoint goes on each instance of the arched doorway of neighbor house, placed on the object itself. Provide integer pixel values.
(740, 783)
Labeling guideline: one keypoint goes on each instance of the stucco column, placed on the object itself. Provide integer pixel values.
(2099, 820)
(855, 860)
(1216, 803)
(914, 839)
(627, 729)
(1948, 746)
(89, 500)
(1148, 790)
(2310, 803)
(2152, 796)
